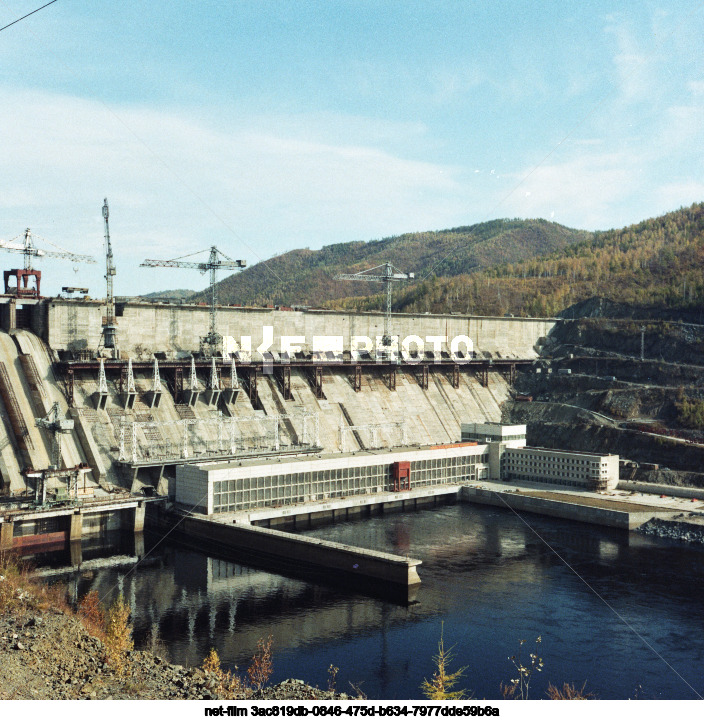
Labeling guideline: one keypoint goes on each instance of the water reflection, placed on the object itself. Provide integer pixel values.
(598, 597)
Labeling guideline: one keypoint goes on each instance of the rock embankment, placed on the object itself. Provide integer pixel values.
(47, 653)
(676, 529)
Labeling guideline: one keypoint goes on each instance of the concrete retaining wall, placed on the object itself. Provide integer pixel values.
(336, 557)
(661, 489)
(303, 515)
(76, 325)
(561, 509)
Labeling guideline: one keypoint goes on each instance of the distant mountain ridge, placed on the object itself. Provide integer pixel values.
(306, 277)
(655, 266)
(180, 294)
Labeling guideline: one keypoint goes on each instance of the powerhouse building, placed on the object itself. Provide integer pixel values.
(488, 451)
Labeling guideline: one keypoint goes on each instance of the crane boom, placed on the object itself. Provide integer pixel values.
(213, 264)
(389, 276)
(29, 250)
(198, 266)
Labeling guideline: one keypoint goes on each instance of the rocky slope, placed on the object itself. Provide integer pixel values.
(47, 653)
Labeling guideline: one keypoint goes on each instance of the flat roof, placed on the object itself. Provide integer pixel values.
(453, 449)
(560, 450)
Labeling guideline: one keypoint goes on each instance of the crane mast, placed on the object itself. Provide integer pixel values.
(109, 327)
(387, 277)
(211, 343)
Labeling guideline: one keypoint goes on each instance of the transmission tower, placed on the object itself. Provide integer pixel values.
(211, 344)
(389, 276)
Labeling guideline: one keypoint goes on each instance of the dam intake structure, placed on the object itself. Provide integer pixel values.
(160, 403)
(134, 416)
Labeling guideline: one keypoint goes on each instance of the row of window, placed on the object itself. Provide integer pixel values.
(544, 458)
(542, 479)
(285, 489)
(490, 437)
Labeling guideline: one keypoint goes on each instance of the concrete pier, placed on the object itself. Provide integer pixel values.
(128, 399)
(76, 552)
(212, 397)
(100, 400)
(6, 534)
(139, 513)
(349, 562)
(191, 396)
(153, 398)
(76, 526)
(228, 396)
(598, 510)
(24, 528)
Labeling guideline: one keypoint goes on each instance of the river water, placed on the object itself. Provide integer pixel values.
(621, 612)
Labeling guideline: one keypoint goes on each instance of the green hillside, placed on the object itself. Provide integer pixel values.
(306, 277)
(179, 294)
(656, 264)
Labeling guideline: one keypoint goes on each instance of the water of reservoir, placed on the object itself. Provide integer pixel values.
(622, 612)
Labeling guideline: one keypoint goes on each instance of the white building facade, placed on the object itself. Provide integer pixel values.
(488, 451)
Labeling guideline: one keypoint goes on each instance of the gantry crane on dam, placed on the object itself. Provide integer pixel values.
(211, 344)
(29, 250)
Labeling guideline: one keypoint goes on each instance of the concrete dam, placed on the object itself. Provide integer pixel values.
(303, 381)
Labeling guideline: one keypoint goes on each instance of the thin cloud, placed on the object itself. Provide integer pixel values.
(276, 191)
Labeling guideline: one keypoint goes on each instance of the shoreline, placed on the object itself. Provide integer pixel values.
(46, 653)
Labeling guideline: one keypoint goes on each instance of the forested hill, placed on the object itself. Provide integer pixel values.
(657, 264)
(306, 277)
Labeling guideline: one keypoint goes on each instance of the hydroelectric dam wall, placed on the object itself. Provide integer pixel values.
(131, 446)
(145, 328)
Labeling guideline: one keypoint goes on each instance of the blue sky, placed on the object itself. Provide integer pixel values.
(265, 126)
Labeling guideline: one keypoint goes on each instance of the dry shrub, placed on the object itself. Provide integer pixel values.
(260, 669)
(568, 692)
(19, 593)
(211, 663)
(10, 583)
(229, 684)
(332, 677)
(118, 634)
(52, 597)
(92, 615)
(156, 645)
(519, 687)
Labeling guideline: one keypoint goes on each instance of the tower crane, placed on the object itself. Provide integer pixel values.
(387, 277)
(109, 327)
(212, 342)
(57, 425)
(29, 250)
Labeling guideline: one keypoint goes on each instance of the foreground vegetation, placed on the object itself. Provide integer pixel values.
(442, 684)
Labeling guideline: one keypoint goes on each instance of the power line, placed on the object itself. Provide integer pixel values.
(27, 15)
